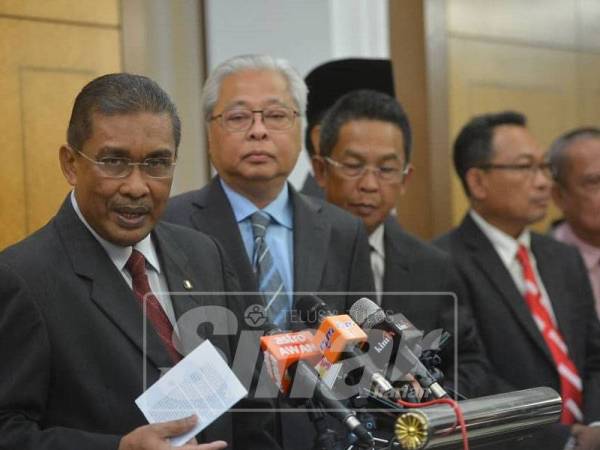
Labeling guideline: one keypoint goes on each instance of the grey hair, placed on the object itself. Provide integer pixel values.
(296, 85)
(557, 155)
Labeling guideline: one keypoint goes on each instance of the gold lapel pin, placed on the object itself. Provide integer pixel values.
(187, 284)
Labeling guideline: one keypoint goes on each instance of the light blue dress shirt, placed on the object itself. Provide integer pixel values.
(280, 232)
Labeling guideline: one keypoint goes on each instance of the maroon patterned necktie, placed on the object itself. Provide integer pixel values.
(136, 265)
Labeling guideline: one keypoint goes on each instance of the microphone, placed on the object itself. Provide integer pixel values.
(289, 358)
(282, 350)
(337, 337)
(370, 315)
(306, 379)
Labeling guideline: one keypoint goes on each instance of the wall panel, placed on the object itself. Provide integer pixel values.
(44, 65)
(98, 12)
(547, 70)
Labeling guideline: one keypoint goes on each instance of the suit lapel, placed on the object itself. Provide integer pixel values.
(109, 290)
(174, 265)
(214, 216)
(188, 291)
(396, 276)
(311, 243)
(487, 260)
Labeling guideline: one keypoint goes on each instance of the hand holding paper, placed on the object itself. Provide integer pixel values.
(201, 384)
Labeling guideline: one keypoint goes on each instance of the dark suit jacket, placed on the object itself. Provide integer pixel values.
(512, 340)
(311, 187)
(71, 334)
(331, 254)
(413, 266)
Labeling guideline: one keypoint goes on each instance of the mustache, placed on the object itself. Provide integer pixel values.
(132, 207)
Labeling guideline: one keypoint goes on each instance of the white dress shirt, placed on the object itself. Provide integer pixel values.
(376, 243)
(506, 246)
(119, 256)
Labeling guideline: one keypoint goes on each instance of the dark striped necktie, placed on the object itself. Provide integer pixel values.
(270, 282)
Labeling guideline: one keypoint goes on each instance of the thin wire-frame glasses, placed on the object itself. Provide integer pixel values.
(119, 167)
(277, 118)
(383, 173)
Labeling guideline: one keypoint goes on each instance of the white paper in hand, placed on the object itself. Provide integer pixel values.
(202, 384)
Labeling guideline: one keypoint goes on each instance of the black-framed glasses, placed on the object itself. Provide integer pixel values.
(529, 169)
(275, 118)
(119, 167)
(388, 174)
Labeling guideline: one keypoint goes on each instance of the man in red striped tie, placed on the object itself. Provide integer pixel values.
(530, 294)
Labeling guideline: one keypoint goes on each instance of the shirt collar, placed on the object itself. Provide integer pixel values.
(118, 254)
(589, 253)
(279, 209)
(505, 244)
(376, 240)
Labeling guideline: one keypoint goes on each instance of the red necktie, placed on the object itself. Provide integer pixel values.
(136, 264)
(570, 382)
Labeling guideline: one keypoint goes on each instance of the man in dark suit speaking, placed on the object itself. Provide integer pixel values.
(530, 294)
(73, 353)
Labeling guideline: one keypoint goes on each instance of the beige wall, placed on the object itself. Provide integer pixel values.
(540, 57)
(164, 40)
(452, 59)
(49, 50)
(408, 54)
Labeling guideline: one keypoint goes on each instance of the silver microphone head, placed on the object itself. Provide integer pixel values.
(366, 313)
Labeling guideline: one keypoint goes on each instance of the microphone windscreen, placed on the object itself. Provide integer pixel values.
(366, 313)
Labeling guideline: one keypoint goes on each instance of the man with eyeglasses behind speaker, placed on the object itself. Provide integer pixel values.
(279, 240)
(364, 167)
(88, 315)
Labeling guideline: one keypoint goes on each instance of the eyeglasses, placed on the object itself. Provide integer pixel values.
(591, 182)
(241, 119)
(118, 167)
(387, 174)
(529, 169)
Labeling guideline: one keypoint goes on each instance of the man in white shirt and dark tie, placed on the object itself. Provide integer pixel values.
(364, 167)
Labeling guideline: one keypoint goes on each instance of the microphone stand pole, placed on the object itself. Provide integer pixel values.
(326, 439)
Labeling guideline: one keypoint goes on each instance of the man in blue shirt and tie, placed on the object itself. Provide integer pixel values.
(253, 107)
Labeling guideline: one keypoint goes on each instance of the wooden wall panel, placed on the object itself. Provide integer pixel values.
(553, 87)
(589, 92)
(42, 109)
(544, 22)
(407, 48)
(437, 109)
(44, 65)
(541, 57)
(89, 11)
